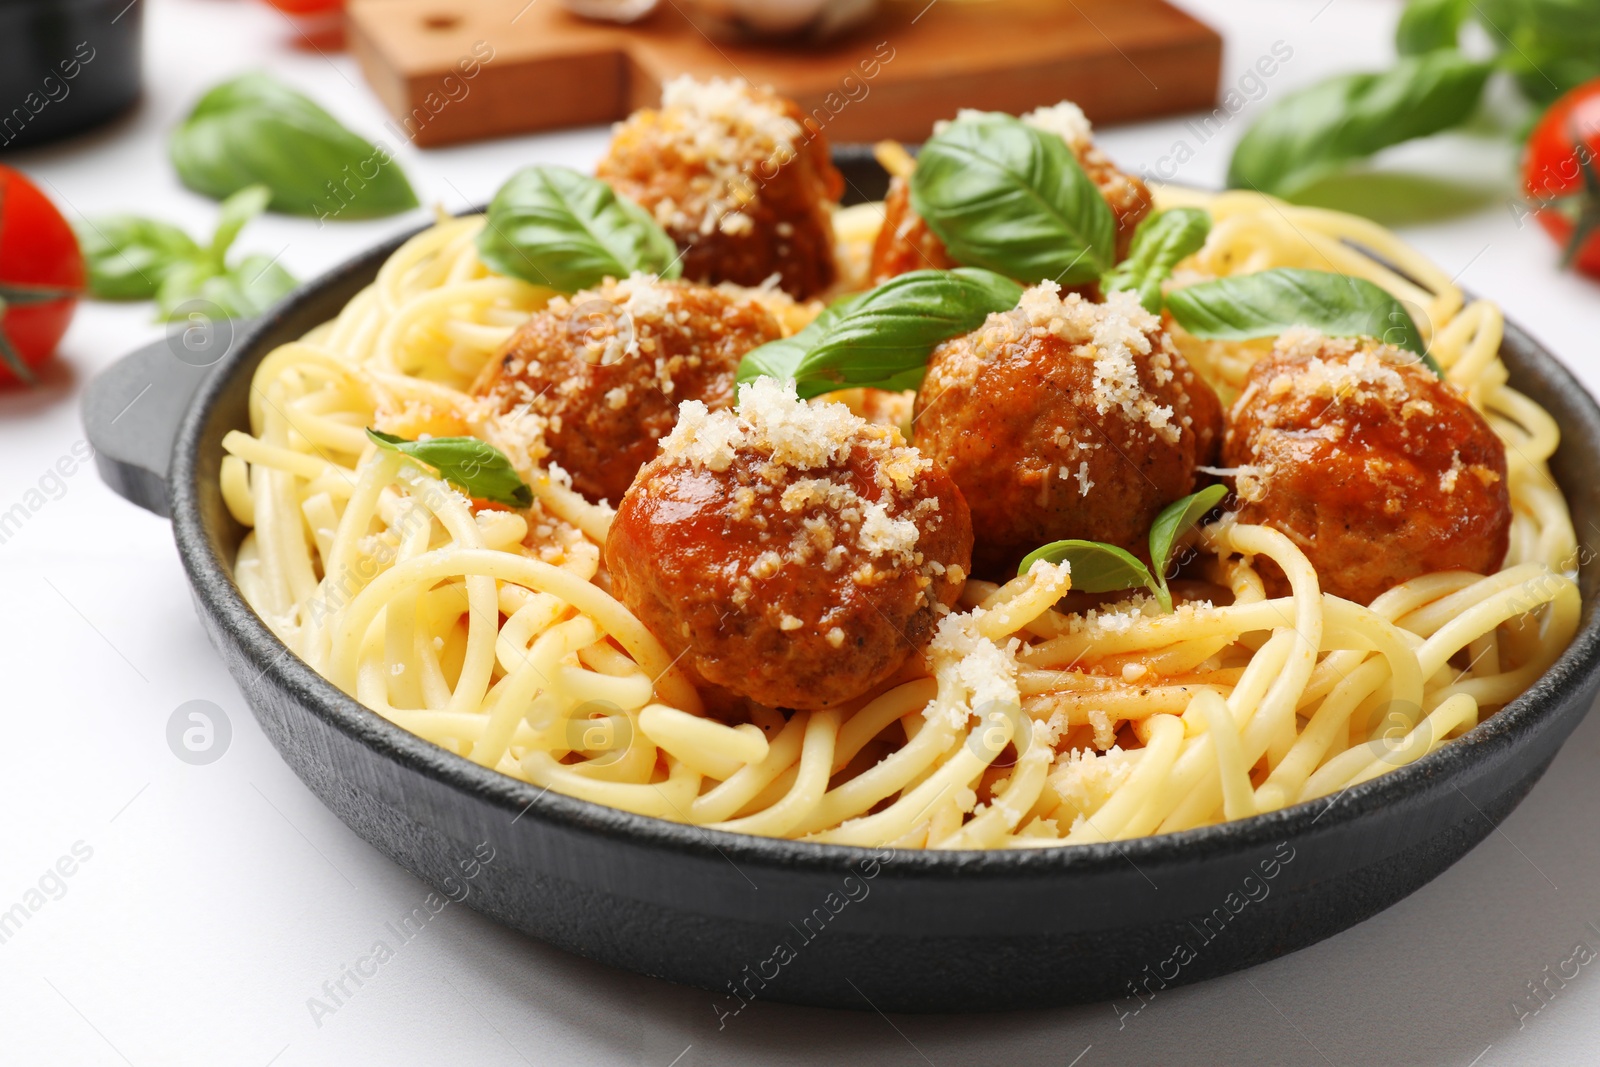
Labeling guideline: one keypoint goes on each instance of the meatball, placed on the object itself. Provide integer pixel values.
(1377, 469)
(798, 553)
(1065, 419)
(737, 179)
(905, 243)
(593, 381)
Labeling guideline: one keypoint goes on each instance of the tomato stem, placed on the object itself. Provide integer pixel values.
(9, 355)
(19, 295)
(1587, 219)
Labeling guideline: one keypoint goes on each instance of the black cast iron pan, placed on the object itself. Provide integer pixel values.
(820, 924)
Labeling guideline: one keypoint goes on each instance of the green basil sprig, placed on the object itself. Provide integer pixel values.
(882, 338)
(555, 227)
(1005, 196)
(1159, 243)
(1311, 133)
(254, 130)
(1096, 566)
(242, 291)
(127, 256)
(133, 258)
(1549, 46)
(475, 466)
(781, 358)
(1266, 303)
(1101, 568)
(1175, 520)
(1428, 25)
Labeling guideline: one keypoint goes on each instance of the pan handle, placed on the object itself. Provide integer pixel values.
(132, 409)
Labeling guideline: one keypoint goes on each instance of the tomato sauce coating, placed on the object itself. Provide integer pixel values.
(594, 380)
(1065, 419)
(799, 554)
(738, 180)
(905, 243)
(1378, 470)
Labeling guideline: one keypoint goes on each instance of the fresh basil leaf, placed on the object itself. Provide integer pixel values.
(1428, 25)
(1159, 243)
(1096, 567)
(1549, 46)
(237, 210)
(250, 287)
(883, 338)
(1175, 520)
(1005, 196)
(779, 359)
(1269, 302)
(242, 291)
(555, 227)
(475, 466)
(183, 282)
(254, 130)
(127, 256)
(1317, 130)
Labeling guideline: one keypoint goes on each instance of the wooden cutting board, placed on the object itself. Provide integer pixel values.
(464, 70)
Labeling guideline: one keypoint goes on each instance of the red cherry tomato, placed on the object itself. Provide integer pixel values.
(41, 275)
(1561, 175)
(306, 7)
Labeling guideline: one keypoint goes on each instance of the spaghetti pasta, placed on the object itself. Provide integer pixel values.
(1036, 718)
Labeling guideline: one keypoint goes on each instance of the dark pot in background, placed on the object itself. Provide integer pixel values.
(66, 66)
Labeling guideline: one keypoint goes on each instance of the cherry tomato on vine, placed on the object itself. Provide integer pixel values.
(1561, 176)
(41, 276)
(306, 7)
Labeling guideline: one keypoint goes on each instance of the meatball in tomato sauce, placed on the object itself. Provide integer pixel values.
(1376, 468)
(593, 381)
(905, 243)
(732, 172)
(1062, 419)
(795, 554)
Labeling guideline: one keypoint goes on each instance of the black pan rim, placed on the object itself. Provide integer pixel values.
(211, 579)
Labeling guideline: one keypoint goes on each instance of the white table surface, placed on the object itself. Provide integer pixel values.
(216, 899)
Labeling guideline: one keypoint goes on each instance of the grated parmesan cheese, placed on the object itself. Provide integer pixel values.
(1338, 368)
(974, 673)
(1085, 780)
(1066, 120)
(728, 128)
(790, 436)
(1448, 478)
(1119, 335)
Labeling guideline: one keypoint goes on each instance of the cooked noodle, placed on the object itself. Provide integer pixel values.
(1032, 720)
